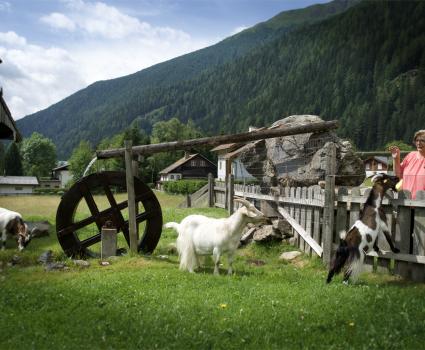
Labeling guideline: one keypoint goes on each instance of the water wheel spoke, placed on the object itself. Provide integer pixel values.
(77, 226)
(90, 241)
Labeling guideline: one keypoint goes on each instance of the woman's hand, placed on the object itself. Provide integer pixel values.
(395, 151)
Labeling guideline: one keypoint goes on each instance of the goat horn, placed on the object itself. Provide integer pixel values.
(243, 201)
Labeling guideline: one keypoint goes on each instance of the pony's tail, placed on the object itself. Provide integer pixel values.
(173, 225)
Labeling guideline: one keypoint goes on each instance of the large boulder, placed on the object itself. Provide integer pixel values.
(300, 160)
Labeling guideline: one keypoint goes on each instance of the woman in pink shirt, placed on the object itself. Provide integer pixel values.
(412, 169)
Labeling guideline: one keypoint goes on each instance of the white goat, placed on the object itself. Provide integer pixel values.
(201, 235)
(11, 223)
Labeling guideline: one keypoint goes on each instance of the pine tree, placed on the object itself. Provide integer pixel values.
(13, 161)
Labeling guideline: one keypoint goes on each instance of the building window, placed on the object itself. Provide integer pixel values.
(193, 163)
(172, 177)
(203, 163)
(18, 188)
(379, 166)
(367, 166)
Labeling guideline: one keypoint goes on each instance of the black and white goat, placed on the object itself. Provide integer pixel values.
(362, 235)
(201, 235)
(11, 223)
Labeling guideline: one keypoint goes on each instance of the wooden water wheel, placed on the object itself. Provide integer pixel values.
(77, 233)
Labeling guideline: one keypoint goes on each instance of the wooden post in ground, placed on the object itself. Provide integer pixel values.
(230, 193)
(210, 190)
(132, 225)
(328, 210)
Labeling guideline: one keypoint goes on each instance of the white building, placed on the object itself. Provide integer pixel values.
(62, 174)
(12, 185)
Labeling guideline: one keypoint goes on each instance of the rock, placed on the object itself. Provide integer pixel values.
(39, 228)
(282, 226)
(105, 263)
(163, 257)
(300, 160)
(256, 262)
(266, 233)
(55, 266)
(247, 236)
(15, 260)
(172, 249)
(288, 256)
(81, 263)
(292, 241)
(46, 257)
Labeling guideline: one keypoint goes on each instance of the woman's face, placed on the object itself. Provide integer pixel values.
(420, 143)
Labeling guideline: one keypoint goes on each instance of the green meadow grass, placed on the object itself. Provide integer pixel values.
(146, 302)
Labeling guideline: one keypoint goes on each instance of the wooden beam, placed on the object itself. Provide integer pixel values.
(303, 233)
(132, 225)
(217, 140)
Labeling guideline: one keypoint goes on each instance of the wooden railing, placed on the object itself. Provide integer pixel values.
(304, 208)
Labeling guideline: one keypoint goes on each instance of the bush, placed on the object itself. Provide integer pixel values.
(49, 191)
(183, 186)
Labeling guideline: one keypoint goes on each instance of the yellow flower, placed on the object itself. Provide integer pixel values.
(351, 324)
(223, 306)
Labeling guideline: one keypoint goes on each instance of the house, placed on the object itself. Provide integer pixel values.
(60, 176)
(13, 185)
(62, 173)
(375, 165)
(193, 166)
(229, 161)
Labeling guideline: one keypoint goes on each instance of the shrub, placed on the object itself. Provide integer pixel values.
(183, 186)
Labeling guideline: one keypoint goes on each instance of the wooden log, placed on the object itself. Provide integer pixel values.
(217, 140)
(132, 225)
(317, 214)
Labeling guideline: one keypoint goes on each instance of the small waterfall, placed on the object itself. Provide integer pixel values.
(89, 166)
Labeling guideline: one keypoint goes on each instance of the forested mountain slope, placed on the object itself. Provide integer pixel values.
(364, 66)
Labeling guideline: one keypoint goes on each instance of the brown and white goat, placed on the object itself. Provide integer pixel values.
(362, 235)
(11, 223)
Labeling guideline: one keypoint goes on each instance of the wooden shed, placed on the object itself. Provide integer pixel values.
(8, 130)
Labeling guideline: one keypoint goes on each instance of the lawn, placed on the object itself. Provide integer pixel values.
(145, 302)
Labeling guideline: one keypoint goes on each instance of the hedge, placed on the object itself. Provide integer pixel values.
(183, 186)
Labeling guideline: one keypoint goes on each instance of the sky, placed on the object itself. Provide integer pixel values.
(53, 48)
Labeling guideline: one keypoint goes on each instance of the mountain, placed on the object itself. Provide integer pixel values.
(360, 62)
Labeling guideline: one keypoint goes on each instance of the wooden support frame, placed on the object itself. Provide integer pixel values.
(132, 224)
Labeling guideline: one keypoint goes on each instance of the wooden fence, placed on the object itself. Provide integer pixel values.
(306, 210)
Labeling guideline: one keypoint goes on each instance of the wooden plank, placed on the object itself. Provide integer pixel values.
(418, 259)
(297, 215)
(303, 194)
(210, 190)
(407, 202)
(384, 265)
(309, 219)
(341, 215)
(222, 139)
(355, 207)
(418, 271)
(317, 216)
(230, 194)
(402, 236)
(297, 227)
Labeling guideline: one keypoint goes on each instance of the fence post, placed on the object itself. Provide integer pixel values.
(230, 193)
(210, 190)
(132, 225)
(328, 210)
